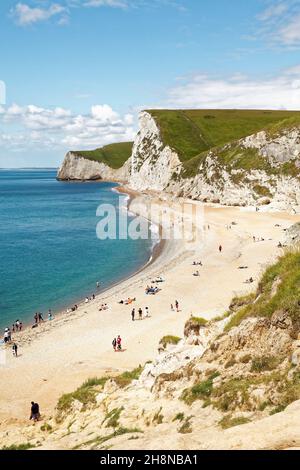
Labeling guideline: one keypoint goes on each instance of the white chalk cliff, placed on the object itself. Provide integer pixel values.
(76, 167)
(155, 166)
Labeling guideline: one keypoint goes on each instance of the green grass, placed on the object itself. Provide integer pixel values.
(113, 155)
(127, 377)
(262, 191)
(285, 299)
(194, 132)
(99, 440)
(226, 394)
(264, 363)
(178, 417)
(85, 394)
(158, 417)
(229, 422)
(199, 391)
(277, 409)
(112, 418)
(46, 427)
(25, 446)
(169, 339)
(199, 321)
(186, 427)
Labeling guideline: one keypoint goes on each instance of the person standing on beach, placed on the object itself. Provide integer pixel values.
(6, 336)
(35, 412)
(147, 312)
(119, 343)
(133, 314)
(40, 318)
(36, 318)
(114, 343)
(140, 314)
(15, 349)
(220, 248)
(177, 305)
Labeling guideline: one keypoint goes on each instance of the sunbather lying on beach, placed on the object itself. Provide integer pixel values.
(158, 279)
(103, 307)
(151, 290)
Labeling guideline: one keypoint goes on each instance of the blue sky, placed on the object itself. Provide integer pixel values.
(77, 72)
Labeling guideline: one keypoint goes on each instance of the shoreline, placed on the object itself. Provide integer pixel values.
(156, 251)
(59, 356)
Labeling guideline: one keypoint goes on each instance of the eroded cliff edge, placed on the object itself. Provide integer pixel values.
(188, 154)
(79, 168)
(260, 169)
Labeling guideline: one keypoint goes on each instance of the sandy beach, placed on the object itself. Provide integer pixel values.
(58, 356)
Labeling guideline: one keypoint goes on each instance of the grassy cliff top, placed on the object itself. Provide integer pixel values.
(278, 291)
(113, 155)
(192, 132)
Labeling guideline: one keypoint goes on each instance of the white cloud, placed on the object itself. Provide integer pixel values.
(280, 23)
(273, 11)
(106, 3)
(290, 33)
(104, 113)
(33, 126)
(238, 92)
(25, 15)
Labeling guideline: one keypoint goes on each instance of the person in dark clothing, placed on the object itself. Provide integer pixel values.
(119, 343)
(15, 349)
(35, 412)
(133, 314)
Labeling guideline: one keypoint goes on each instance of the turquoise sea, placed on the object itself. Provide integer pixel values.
(50, 256)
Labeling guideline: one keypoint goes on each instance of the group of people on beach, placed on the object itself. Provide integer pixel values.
(117, 343)
(38, 318)
(176, 306)
(140, 314)
(16, 327)
(7, 339)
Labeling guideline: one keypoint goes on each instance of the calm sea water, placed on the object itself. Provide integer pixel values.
(50, 255)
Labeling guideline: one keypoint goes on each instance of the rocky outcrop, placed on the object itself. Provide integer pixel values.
(224, 175)
(78, 168)
(156, 166)
(196, 389)
(152, 163)
(280, 148)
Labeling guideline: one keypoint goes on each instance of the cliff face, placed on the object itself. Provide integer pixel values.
(258, 170)
(78, 168)
(152, 163)
(223, 175)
